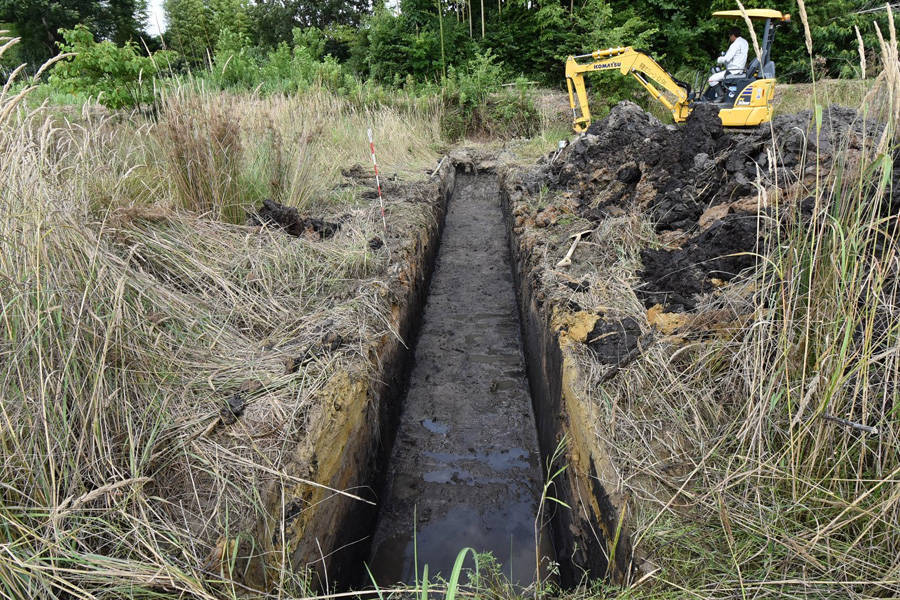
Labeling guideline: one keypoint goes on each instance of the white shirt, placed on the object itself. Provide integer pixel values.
(736, 57)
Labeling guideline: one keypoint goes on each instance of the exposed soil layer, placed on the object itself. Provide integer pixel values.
(290, 220)
(465, 466)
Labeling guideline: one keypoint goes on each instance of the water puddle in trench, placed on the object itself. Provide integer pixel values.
(465, 464)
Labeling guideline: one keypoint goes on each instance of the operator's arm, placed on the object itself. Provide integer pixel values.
(732, 50)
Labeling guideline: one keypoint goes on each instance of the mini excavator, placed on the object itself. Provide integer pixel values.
(746, 97)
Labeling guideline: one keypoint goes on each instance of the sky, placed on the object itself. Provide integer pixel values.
(156, 20)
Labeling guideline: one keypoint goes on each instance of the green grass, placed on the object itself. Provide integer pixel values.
(795, 97)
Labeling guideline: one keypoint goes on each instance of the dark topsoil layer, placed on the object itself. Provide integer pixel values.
(291, 221)
(677, 174)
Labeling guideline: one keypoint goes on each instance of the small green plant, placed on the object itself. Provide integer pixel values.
(117, 76)
(423, 585)
(553, 472)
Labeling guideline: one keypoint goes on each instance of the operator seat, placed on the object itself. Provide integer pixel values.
(752, 72)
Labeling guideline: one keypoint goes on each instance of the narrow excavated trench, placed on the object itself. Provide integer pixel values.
(448, 441)
(465, 468)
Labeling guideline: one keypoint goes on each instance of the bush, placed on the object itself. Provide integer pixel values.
(117, 76)
(476, 102)
(512, 113)
(233, 63)
(284, 69)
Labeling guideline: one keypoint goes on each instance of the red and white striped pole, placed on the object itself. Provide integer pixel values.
(377, 181)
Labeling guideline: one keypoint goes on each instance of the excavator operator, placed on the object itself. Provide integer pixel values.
(734, 61)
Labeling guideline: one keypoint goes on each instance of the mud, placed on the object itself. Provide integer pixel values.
(465, 466)
(289, 219)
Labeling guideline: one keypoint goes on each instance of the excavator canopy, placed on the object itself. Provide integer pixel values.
(753, 13)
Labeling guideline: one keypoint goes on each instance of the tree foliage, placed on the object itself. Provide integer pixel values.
(275, 20)
(38, 22)
(195, 25)
(428, 42)
(533, 37)
(118, 76)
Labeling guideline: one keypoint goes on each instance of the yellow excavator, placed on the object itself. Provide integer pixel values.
(745, 98)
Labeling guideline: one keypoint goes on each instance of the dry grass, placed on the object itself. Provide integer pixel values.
(132, 310)
(747, 455)
(222, 148)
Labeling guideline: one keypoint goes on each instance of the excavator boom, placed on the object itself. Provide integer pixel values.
(628, 61)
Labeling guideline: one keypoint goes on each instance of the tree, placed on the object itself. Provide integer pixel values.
(190, 29)
(274, 20)
(117, 76)
(391, 47)
(125, 21)
(38, 22)
(195, 25)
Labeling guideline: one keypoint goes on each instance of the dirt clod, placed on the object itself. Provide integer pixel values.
(613, 340)
(232, 409)
(290, 220)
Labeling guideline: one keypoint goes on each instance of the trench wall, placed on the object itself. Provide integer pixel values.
(592, 536)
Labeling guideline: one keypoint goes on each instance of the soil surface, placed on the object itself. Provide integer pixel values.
(465, 464)
(699, 186)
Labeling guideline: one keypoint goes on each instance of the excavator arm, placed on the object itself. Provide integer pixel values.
(629, 62)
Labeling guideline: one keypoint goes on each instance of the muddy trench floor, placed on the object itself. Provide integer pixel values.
(465, 466)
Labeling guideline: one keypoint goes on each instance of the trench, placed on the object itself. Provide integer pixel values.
(465, 466)
(449, 439)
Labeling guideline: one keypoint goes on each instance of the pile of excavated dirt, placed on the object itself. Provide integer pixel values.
(697, 183)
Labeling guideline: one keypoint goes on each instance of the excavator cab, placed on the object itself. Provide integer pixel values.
(747, 97)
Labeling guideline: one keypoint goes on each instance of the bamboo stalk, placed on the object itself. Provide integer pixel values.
(441, 23)
(482, 19)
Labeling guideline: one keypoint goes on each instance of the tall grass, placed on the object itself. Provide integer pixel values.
(226, 152)
(764, 461)
(133, 313)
